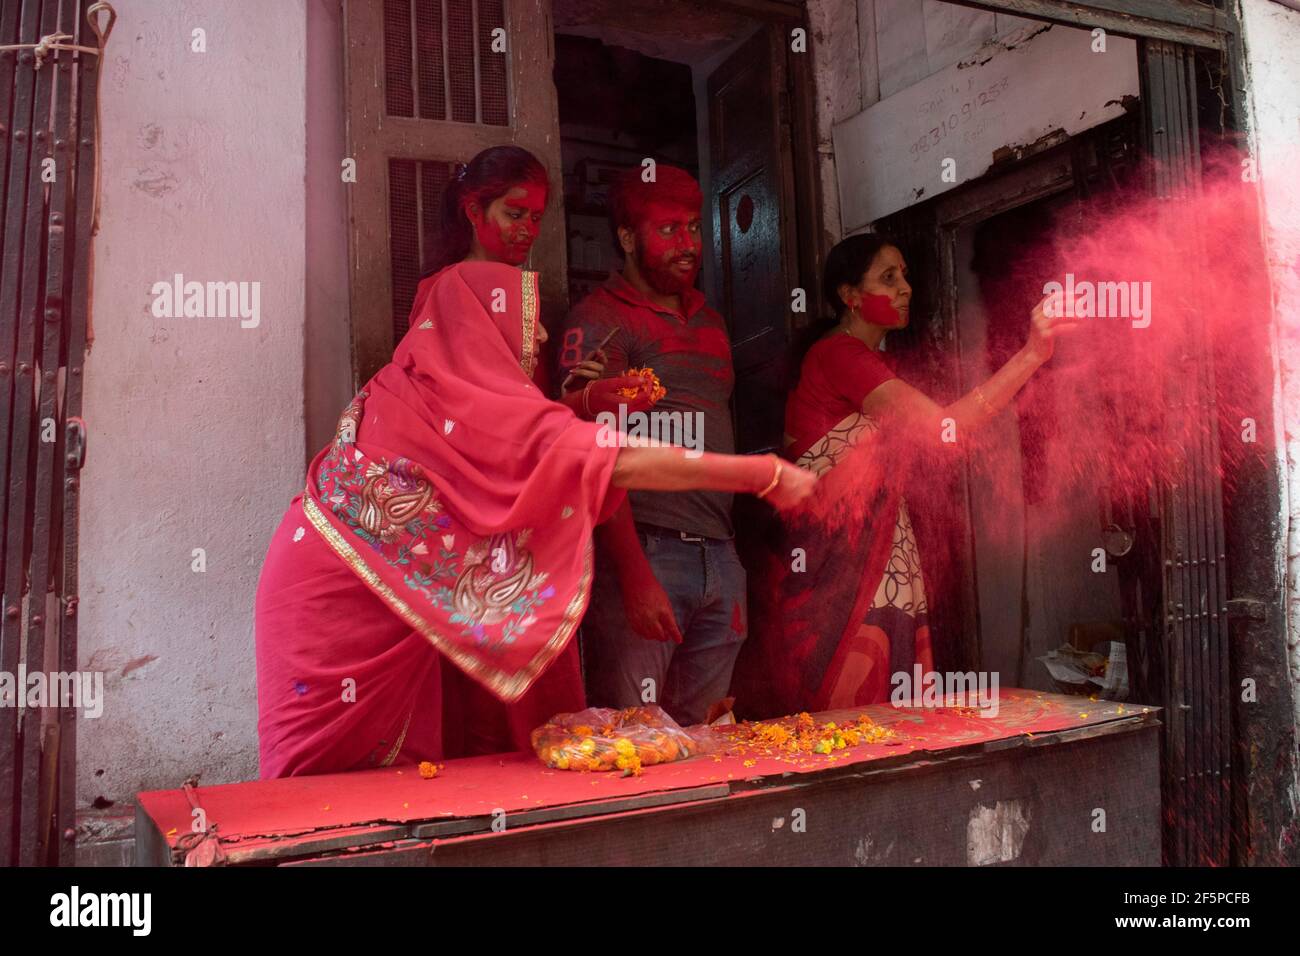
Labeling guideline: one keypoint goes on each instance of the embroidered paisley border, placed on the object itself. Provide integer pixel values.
(508, 686)
(902, 584)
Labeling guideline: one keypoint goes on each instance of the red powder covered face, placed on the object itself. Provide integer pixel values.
(885, 295)
(508, 227)
(668, 246)
(879, 310)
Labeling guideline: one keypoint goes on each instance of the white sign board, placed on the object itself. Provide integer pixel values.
(893, 154)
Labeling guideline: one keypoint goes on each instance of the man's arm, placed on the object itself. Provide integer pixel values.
(595, 347)
(645, 603)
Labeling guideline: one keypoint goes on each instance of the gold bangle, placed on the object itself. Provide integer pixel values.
(979, 397)
(586, 398)
(776, 478)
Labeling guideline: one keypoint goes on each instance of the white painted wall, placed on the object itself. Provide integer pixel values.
(892, 72)
(1036, 83)
(1272, 45)
(866, 49)
(195, 425)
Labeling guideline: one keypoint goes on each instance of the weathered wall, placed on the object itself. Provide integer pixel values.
(868, 49)
(1272, 45)
(195, 424)
(1021, 90)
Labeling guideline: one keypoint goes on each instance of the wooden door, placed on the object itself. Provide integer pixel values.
(428, 85)
(752, 197)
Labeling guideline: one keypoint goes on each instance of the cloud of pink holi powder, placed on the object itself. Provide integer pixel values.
(1161, 286)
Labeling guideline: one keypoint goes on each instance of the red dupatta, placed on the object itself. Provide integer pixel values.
(459, 493)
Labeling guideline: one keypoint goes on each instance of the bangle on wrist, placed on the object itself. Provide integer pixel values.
(586, 398)
(776, 478)
(984, 402)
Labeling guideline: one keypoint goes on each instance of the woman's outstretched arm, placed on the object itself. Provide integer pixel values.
(669, 468)
(917, 412)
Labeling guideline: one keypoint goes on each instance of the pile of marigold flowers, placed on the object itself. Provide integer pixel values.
(801, 736)
(650, 382)
(603, 739)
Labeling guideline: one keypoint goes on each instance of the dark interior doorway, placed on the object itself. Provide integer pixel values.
(617, 107)
(710, 88)
(1035, 523)
(1005, 546)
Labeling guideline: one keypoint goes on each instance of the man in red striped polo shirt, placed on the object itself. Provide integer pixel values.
(658, 319)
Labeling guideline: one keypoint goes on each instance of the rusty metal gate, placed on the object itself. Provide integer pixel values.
(48, 124)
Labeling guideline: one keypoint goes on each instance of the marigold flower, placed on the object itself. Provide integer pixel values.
(650, 382)
(626, 740)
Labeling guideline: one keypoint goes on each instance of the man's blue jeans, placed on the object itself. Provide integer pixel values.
(705, 583)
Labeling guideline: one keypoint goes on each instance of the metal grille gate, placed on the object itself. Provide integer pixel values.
(48, 125)
(1197, 746)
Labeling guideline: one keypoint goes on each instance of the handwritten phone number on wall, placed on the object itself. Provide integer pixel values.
(956, 118)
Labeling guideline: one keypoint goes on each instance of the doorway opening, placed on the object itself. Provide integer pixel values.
(709, 88)
(617, 108)
(1041, 519)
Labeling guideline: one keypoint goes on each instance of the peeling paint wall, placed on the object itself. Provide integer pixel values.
(1272, 49)
(996, 834)
(868, 49)
(1038, 84)
(195, 424)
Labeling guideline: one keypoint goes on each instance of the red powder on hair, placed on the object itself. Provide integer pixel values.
(631, 197)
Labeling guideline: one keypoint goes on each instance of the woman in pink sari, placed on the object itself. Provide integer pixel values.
(419, 598)
(835, 629)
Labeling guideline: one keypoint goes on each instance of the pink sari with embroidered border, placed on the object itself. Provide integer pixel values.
(440, 556)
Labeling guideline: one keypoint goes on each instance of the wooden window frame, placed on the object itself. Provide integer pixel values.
(374, 138)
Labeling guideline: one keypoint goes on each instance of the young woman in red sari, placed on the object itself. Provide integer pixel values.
(841, 626)
(491, 212)
(418, 598)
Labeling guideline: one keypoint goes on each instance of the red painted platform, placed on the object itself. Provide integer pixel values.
(270, 820)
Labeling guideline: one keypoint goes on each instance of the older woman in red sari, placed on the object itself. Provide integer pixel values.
(838, 628)
(419, 597)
